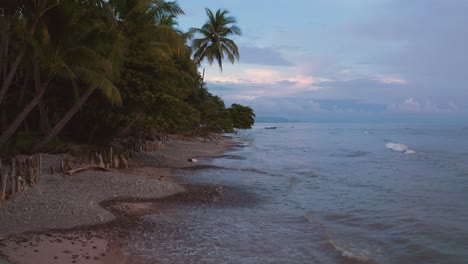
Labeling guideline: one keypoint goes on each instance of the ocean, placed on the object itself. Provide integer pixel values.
(323, 193)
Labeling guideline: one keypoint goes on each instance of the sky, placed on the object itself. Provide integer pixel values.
(344, 60)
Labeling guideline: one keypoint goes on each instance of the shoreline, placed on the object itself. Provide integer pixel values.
(83, 218)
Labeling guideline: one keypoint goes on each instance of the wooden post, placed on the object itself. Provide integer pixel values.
(124, 161)
(4, 177)
(129, 158)
(52, 170)
(13, 178)
(92, 159)
(100, 161)
(18, 178)
(30, 166)
(40, 164)
(3, 181)
(24, 173)
(62, 166)
(104, 157)
(111, 156)
(36, 168)
(116, 161)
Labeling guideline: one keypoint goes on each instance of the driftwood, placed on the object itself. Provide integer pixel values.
(88, 167)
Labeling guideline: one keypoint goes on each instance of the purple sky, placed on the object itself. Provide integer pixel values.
(363, 60)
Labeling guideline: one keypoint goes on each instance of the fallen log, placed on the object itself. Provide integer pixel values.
(88, 167)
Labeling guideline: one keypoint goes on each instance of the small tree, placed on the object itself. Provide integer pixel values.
(242, 117)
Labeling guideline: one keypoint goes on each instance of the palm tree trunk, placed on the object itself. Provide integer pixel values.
(11, 74)
(4, 50)
(7, 82)
(65, 119)
(6, 135)
(43, 118)
(202, 78)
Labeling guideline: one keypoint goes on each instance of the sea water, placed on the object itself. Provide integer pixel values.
(324, 193)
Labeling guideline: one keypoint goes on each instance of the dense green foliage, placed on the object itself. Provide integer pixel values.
(242, 117)
(55, 54)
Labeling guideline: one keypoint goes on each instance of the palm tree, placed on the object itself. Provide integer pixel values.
(27, 16)
(215, 43)
(91, 50)
(150, 21)
(128, 22)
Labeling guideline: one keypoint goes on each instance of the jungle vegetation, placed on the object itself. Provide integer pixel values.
(93, 70)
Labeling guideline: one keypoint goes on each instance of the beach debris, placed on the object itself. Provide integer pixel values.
(192, 160)
(88, 167)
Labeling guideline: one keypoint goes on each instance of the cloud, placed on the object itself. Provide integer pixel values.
(267, 82)
(392, 57)
(390, 79)
(411, 105)
(429, 44)
(262, 56)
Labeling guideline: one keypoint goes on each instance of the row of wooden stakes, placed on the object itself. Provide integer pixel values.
(105, 160)
(27, 171)
(22, 172)
(146, 145)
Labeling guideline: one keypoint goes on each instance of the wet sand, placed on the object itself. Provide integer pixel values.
(85, 217)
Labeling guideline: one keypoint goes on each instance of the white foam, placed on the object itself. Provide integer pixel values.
(399, 148)
(353, 252)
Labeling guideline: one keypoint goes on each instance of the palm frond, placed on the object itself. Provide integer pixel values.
(214, 44)
(107, 88)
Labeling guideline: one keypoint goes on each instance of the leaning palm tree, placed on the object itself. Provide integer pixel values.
(214, 43)
(91, 51)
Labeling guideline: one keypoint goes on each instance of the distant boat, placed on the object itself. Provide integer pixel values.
(271, 127)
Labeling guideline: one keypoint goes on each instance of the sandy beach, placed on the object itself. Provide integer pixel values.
(84, 217)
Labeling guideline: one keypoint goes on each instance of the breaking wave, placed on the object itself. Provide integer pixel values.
(399, 148)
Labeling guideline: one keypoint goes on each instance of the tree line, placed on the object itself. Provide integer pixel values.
(96, 69)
